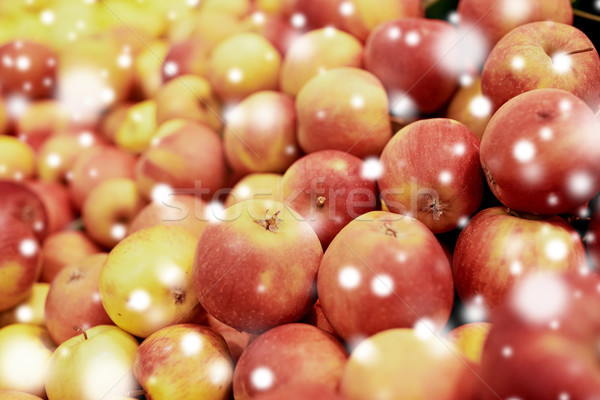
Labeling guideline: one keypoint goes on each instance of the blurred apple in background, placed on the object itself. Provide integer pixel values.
(29, 311)
(147, 66)
(187, 57)
(28, 68)
(57, 203)
(182, 362)
(22, 203)
(257, 186)
(288, 355)
(469, 339)
(277, 29)
(4, 117)
(63, 248)
(17, 160)
(470, 106)
(42, 120)
(137, 128)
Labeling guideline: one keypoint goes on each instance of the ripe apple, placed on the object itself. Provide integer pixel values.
(147, 66)
(236, 340)
(431, 171)
(542, 55)
(367, 278)
(182, 362)
(146, 284)
(343, 109)
(73, 301)
(256, 186)
(315, 52)
(43, 119)
(469, 339)
(57, 203)
(243, 64)
(288, 355)
(4, 118)
(17, 160)
(256, 267)
(93, 365)
(498, 246)
(277, 29)
(329, 189)
(471, 107)
(22, 203)
(540, 152)
(25, 352)
(63, 248)
(410, 56)
(260, 133)
(29, 311)
(137, 128)
(188, 57)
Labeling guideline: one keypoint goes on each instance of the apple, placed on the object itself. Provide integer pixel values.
(431, 171)
(301, 392)
(406, 364)
(266, 186)
(366, 281)
(27, 68)
(315, 52)
(236, 341)
(190, 159)
(343, 109)
(277, 29)
(543, 343)
(147, 67)
(542, 55)
(41, 120)
(414, 60)
(29, 311)
(25, 352)
(213, 27)
(283, 8)
(95, 364)
(255, 268)
(113, 120)
(146, 282)
(17, 160)
(498, 246)
(4, 118)
(12, 395)
(137, 128)
(469, 339)
(494, 19)
(21, 202)
(63, 248)
(184, 361)
(471, 107)
(260, 133)
(57, 203)
(74, 300)
(288, 355)
(188, 57)
(243, 64)
(329, 189)
(549, 164)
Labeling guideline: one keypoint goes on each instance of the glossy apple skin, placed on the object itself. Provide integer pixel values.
(26, 374)
(498, 246)
(494, 19)
(328, 189)
(236, 340)
(253, 278)
(552, 355)
(184, 361)
(317, 51)
(405, 55)
(93, 368)
(536, 43)
(63, 248)
(260, 134)
(17, 159)
(74, 299)
(28, 69)
(343, 109)
(29, 311)
(549, 164)
(431, 171)
(469, 339)
(294, 354)
(366, 279)
(21, 202)
(428, 366)
(145, 284)
(57, 203)
(256, 186)
(470, 107)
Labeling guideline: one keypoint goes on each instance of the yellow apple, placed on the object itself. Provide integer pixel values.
(255, 187)
(137, 128)
(469, 339)
(17, 160)
(31, 310)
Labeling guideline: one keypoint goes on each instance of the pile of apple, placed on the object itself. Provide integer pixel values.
(287, 199)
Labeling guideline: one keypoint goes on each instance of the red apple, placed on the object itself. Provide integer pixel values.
(63, 248)
(498, 246)
(188, 57)
(367, 278)
(288, 355)
(431, 171)
(343, 109)
(22, 203)
(540, 152)
(329, 188)
(256, 267)
(542, 55)
(27, 68)
(57, 203)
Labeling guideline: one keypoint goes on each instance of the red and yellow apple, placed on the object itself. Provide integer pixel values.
(63, 248)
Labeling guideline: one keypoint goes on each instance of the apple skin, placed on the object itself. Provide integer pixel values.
(260, 134)
(549, 353)
(550, 162)
(25, 352)
(74, 299)
(137, 128)
(315, 52)
(494, 19)
(429, 368)
(57, 203)
(277, 29)
(288, 355)
(469, 339)
(145, 284)
(95, 368)
(523, 60)
(498, 246)
(236, 341)
(256, 186)
(366, 279)
(329, 190)
(147, 66)
(28, 69)
(184, 361)
(17, 159)
(431, 171)
(188, 57)
(22, 203)
(29, 311)
(316, 317)
(301, 392)
(256, 268)
(12, 395)
(470, 107)
(405, 55)
(63, 248)
(191, 155)
(343, 109)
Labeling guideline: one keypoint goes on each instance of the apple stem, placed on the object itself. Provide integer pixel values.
(270, 223)
(580, 51)
(389, 230)
(80, 329)
(321, 201)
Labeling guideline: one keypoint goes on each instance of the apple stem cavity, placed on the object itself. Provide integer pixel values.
(75, 275)
(178, 295)
(80, 329)
(580, 51)
(270, 223)
(389, 230)
(321, 201)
